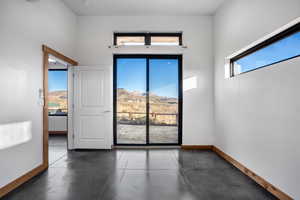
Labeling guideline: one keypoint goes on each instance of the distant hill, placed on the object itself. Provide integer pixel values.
(135, 102)
(131, 102)
(58, 99)
(130, 95)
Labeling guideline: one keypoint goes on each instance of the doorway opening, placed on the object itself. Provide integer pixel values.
(56, 105)
(147, 99)
(57, 108)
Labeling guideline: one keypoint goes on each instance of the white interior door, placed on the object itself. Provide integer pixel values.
(92, 107)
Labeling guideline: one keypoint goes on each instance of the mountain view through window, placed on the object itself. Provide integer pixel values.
(57, 95)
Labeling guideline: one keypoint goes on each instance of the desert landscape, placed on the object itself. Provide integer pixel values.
(58, 102)
(131, 117)
(131, 108)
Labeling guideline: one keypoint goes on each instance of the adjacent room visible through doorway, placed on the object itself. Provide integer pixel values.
(57, 108)
(57, 122)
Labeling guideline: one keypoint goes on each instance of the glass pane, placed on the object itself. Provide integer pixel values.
(283, 49)
(159, 40)
(163, 100)
(131, 101)
(130, 40)
(58, 95)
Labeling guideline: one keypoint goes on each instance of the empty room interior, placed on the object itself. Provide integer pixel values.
(149, 100)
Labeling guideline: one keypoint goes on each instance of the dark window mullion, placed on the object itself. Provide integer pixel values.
(147, 39)
(147, 100)
(180, 39)
(180, 86)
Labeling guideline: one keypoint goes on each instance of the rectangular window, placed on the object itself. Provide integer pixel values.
(281, 47)
(130, 40)
(58, 95)
(163, 39)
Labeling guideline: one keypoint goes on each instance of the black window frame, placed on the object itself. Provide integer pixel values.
(286, 33)
(180, 96)
(67, 90)
(147, 36)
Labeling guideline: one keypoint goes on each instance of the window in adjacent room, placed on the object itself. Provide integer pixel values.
(58, 89)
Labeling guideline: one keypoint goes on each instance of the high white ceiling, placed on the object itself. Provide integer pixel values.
(143, 7)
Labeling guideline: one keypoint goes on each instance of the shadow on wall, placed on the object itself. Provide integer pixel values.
(13, 134)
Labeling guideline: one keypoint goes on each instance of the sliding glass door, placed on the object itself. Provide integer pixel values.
(130, 101)
(163, 100)
(147, 99)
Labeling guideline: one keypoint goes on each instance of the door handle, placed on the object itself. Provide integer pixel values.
(106, 111)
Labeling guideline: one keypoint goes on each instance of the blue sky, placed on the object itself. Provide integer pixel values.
(131, 73)
(163, 77)
(58, 80)
(280, 50)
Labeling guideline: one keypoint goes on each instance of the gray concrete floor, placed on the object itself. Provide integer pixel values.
(57, 147)
(140, 175)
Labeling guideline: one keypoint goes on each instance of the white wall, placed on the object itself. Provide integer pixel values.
(24, 28)
(58, 123)
(96, 33)
(258, 113)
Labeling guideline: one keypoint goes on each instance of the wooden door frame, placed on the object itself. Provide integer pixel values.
(44, 166)
(46, 52)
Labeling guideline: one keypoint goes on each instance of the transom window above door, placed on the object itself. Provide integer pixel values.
(155, 39)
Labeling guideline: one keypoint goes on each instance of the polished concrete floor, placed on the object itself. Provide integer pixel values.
(140, 175)
(57, 147)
